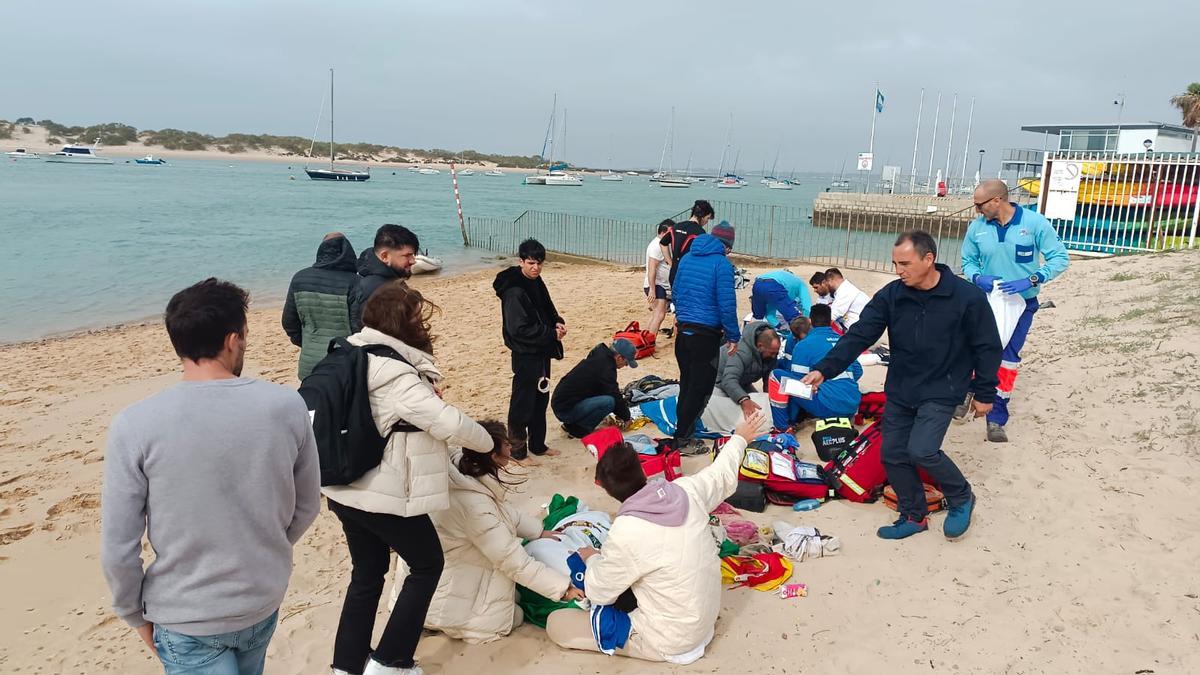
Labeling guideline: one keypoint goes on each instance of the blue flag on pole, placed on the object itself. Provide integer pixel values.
(878, 101)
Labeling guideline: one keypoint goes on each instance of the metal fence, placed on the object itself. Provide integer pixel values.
(1120, 203)
(856, 240)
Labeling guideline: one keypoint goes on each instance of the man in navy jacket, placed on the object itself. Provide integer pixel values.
(944, 343)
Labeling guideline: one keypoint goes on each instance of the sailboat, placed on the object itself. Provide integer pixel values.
(611, 176)
(333, 172)
(556, 173)
(728, 181)
(668, 180)
(840, 183)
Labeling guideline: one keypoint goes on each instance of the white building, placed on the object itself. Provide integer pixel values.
(1124, 138)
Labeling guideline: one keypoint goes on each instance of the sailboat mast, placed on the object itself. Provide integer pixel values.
(331, 118)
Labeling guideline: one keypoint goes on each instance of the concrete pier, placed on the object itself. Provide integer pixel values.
(941, 216)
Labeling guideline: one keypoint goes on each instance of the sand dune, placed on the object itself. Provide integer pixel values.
(1082, 557)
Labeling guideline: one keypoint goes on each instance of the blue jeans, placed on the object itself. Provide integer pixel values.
(589, 413)
(242, 652)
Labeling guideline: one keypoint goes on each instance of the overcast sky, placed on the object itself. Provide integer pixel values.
(797, 77)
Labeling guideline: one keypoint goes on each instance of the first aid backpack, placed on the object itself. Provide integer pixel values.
(857, 472)
(785, 478)
(643, 340)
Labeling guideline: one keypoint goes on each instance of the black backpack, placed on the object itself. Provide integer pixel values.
(348, 442)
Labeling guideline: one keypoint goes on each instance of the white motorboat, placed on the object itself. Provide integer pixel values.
(426, 264)
(632, 173)
(562, 178)
(779, 185)
(22, 153)
(729, 184)
(494, 172)
(429, 172)
(78, 154)
(612, 176)
(467, 172)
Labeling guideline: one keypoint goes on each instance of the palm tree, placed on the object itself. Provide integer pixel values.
(1189, 106)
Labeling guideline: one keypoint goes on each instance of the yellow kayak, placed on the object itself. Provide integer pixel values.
(1101, 192)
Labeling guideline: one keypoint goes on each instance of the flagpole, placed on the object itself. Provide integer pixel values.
(912, 179)
(933, 143)
(962, 178)
(871, 144)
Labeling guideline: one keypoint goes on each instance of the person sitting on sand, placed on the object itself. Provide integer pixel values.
(533, 330)
(481, 540)
(734, 395)
(660, 547)
(589, 392)
(387, 509)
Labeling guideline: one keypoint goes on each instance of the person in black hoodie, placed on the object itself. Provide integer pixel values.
(590, 393)
(321, 301)
(392, 258)
(944, 343)
(533, 330)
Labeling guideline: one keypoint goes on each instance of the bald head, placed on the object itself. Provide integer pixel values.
(333, 235)
(990, 189)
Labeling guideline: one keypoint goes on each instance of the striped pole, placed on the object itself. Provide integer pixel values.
(462, 225)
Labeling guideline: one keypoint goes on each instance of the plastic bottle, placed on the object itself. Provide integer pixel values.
(806, 505)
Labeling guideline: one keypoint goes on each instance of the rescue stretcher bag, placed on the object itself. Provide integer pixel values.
(934, 499)
(781, 473)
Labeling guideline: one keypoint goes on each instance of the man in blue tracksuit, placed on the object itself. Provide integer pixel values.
(705, 318)
(779, 291)
(945, 343)
(839, 397)
(1003, 246)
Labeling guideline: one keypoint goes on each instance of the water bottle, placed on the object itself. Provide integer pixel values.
(806, 505)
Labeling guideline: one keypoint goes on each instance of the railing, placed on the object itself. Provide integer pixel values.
(1121, 203)
(618, 241)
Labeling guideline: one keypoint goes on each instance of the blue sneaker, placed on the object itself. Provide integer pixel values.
(903, 527)
(959, 519)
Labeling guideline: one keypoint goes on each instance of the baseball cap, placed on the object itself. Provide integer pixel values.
(626, 349)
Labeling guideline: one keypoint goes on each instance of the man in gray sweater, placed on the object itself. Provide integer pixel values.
(221, 473)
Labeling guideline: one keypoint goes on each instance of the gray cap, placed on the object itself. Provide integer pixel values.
(626, 349)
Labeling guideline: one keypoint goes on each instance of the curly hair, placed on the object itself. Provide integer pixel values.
(401, 312)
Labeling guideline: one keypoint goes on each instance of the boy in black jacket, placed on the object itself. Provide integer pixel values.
(589, 393)
(533, 331)
(944, 343)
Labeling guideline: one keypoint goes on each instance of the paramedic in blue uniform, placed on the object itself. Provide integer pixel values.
(944, 343)
(1017, 250)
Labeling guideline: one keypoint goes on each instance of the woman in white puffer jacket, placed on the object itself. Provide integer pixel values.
(388, 508)
(476, 598)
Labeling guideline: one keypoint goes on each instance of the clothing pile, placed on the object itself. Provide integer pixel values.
(578, 527)
(650, 388)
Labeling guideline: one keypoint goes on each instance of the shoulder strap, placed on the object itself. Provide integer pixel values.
(389, 353)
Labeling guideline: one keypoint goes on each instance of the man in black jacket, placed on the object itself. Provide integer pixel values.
(590, 393)
(944, 343)
(321, 301)
(533, 331)
(391, 258)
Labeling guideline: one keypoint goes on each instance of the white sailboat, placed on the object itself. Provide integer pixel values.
(333, 172)
(556, 174)
(667, 179)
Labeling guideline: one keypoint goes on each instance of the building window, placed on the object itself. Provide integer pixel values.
(1088, 140)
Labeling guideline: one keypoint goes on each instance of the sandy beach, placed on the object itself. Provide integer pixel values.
(1082, 556)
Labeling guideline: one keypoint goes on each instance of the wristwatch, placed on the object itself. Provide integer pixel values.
(1034, 280)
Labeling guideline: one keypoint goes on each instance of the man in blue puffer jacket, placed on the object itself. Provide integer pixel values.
(706, 316)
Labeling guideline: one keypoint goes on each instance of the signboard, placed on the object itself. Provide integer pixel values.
(865, 161)
(1062, 189)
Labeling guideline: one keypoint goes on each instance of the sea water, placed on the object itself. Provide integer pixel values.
(94, 245)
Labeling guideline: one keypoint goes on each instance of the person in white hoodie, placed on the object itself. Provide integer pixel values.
(660, 547)
(388, 508)
(476, 598)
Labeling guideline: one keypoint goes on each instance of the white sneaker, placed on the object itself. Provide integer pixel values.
(376, 668)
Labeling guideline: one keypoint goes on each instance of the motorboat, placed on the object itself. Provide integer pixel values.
(150, 159)
(426, 264)
(494, 172)
(333, 173)
(22, 153)
(779, 185)
(467, 172)
(610, 176)
(428, 172)
(78, 154)
(729, 183)
(632, 173)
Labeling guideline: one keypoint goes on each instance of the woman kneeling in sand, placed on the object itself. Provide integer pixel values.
(481, 539)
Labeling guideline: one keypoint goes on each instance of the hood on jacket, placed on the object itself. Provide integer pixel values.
(660, 502)
(511, 278)
(749, 334)
(369, 265)
(336, 254)
(706, 244)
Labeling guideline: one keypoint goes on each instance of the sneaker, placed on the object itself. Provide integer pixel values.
(958, 519)
(996, 433)
(376, 668)
(692, 447)
(903, 527)
(962, 412)
(573, 431)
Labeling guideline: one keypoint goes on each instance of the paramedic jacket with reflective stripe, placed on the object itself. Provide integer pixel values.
(703, 288)
(1011, 251)
(839, 393)
(938, 338)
